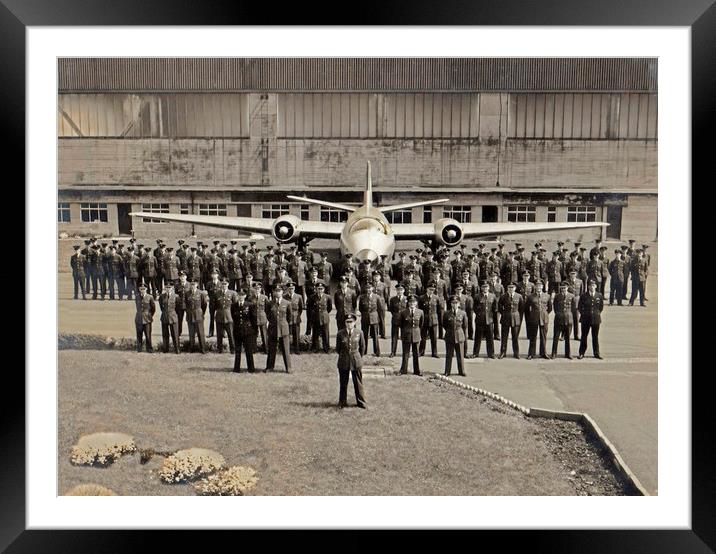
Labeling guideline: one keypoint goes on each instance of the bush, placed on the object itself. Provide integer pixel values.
(186, 465)
(90, 489)
(101, 448)
(234, 481)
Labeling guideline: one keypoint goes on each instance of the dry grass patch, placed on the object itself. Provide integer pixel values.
(233, 481)
(187, 465)
(90, 489)
(101, 448)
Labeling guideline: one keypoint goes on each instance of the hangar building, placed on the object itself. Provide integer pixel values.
(506, 139)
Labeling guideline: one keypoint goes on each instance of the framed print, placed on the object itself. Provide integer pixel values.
(269, 252)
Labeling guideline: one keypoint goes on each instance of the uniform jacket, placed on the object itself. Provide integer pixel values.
(432, 307)
(77, 263)
(511, 309)
(181, 292)
(297, 270)
(412, 287)
(96, 262)
(349, 347)
(245, 320)
(497, 289)
(534, 266)
(411, 325)
(510, 271)
(311, 287)
(223, 303)
(261, 300)
(575, 287)
(554, 271)
(168, 303)
(454, 326)
(346, 303)
(278, 314)
(525, 289)
(235, 267)
(639, 269)
(485, 308)
(396, 305)
(564, 306)
(213, 289)
(368, 307)
(296, 301)
(170, 268)
(616, 269)
(594, 270)
(382, 290)
(319, 308)
(133, 266)
(538, 308)
(325, 270)
(194, 266)
(195, 305)
(145, 309)
(590, 308)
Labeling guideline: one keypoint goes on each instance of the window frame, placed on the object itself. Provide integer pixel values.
(63, 208)
(213, 208)
(581, 214)
(154, 208)
(523, 213)
(272, 211)
(459, 212)
(334, 215)
(90, 207)
(390, 216)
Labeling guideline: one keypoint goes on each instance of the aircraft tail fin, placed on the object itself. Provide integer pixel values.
(368, 195)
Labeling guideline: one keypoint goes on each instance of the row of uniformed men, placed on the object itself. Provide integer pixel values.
(415, 319)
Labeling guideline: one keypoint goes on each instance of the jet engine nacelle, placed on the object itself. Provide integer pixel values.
(448, 232)
(286, 228)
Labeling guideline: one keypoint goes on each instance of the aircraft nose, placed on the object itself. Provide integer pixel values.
(367, 254)
(451, 234)
(283, 230)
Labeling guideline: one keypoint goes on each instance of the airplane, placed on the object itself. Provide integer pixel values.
(367, 234)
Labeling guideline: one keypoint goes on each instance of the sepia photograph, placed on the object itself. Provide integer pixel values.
(357, 276)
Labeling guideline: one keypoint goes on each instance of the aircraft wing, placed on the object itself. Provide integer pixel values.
(314, 229)
(418, 231)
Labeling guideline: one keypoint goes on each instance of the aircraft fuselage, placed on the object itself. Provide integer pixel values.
(367, 235)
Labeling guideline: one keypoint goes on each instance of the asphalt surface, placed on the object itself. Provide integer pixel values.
(619, 392)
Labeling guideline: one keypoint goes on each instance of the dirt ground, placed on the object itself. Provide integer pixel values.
(418, 437)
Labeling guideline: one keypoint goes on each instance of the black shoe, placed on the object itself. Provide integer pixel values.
(546, 357)
(392, 355)
(461, 374)
(362, 406)
(418, 374)
(598, 357)
(209, 336)
(435, 356)
(517, 356)
(492, 357)
(529, 356)
(403, 373)
(580, 356)
(569, 357)
(446, 374)
(237, 371)
(501, 355)
(341, 406)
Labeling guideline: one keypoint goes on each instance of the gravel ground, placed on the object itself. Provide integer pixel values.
(418, 437)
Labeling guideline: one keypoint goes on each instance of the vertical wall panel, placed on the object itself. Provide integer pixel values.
(317, 115)
(419, 114)
(335, 115)
(530, 116)
(373, 115)
(559, 115)
(410, 115)
(428, 106)
(400, 115)
(540, 115)
(308, 130)
(355, 115)
(364, 117)
(475, 102)
(652, 119)
(345, 115)
(633, 115)
(643, 123)
(549, 116)
(586, 131)
(576, 116)
(512, 104)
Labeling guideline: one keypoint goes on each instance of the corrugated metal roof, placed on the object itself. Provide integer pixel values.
(356, 74)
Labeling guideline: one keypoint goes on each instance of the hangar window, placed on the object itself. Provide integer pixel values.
(272, 211)
(212, 209)
(154, 209)
(461, 214)
(581, 213)
(428, 214)
(400, 216)
(63, 212)
(333, 214)
(305, 213)
(184, 209)
(521, 214)
(93, 212)
(551, 214)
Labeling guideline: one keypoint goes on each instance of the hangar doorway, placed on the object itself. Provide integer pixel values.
(489, 214)
(614, 218)
(124, 220)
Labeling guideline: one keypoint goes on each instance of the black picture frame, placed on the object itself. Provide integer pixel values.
(699, 15)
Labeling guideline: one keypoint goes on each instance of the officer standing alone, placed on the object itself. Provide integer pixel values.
(350, 343)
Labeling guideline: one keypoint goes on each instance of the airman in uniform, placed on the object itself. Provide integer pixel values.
(576, 287)
(320, 306)
(196, 303)
(639, 273)
(564, 304)
(115, 273)
(77, 263)
(325, 268)
(169, 319)
(383, 291)
(350, 345)
(143, 319)
(538, 306)
(590, 307)
(182, 288)
(485, 306)
(278, 314)
(511, 309)
(245, 325)
(369, 306)
(411, 325)
(396, 305)
(224, 320)
(213, 286)
(455, 329)
(617, 267)
(432, 306)
(345, 301)
(294, 325)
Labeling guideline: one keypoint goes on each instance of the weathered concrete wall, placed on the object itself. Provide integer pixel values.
(639, 218)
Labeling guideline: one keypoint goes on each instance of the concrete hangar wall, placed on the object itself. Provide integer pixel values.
(504, 139)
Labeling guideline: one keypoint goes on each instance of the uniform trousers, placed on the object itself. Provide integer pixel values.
(486, 332)
(561, 329)
(248, 344)
(637, 287)
(197, 328)
(408, 348)
(431, 332)
(221, 328)
(394, 335)
(79, 285)
(284, 343)
(343, 376)
(456, 349)
(144, 330)
(532, 330)
(615, 290)
(98, 283)
(586, 328)
(320, 331)
(515, 331)
(370, 330)
(295, 333)
(170, 329)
